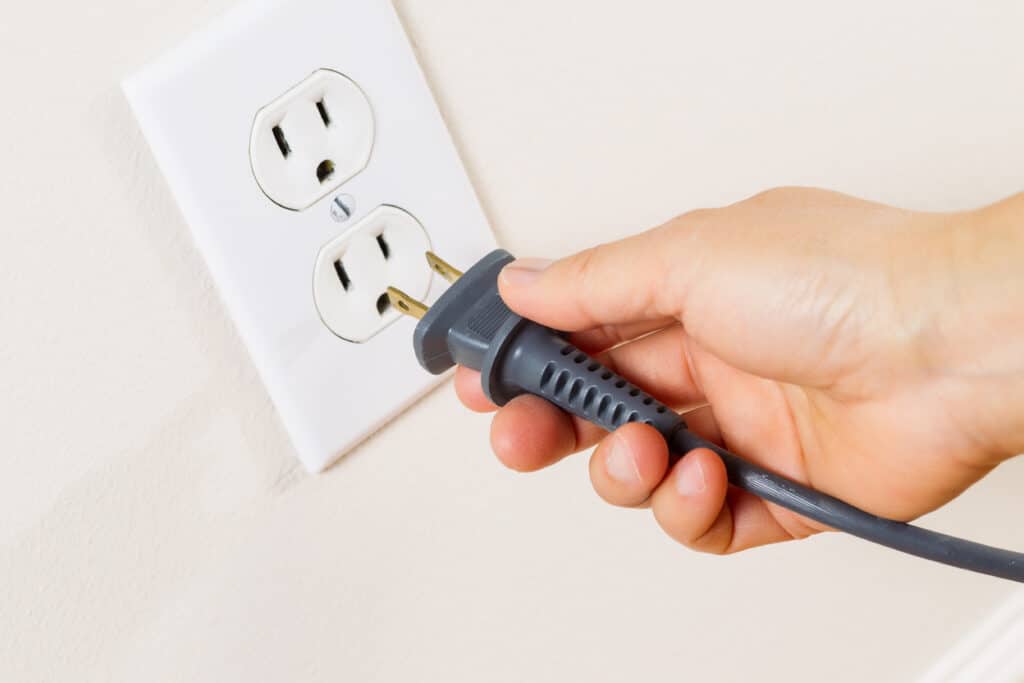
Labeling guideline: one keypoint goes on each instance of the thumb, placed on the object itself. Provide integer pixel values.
(634, 279)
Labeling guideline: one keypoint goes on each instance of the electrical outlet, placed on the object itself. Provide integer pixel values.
(353, 271)
(310, 161)
(312, 139)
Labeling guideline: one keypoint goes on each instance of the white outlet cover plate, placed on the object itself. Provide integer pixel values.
(196, 107)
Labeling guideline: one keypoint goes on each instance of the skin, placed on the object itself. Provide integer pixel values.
(874, 353)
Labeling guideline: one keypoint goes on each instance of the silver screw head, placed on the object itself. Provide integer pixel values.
(342, 208)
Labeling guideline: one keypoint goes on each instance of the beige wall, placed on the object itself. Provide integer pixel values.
(153, 522)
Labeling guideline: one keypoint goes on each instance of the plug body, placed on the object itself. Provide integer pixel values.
(470, 325)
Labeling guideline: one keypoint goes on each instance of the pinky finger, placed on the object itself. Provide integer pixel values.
(696, 507)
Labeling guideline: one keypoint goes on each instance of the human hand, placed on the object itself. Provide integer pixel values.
(872, 353)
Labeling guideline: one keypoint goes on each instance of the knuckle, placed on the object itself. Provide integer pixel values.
(784, 195)
(703, 540)
(797, 527)
(584, 273)
(704, 532)
(696, 218)
(712, 543)
(714, 539)
(584, 265)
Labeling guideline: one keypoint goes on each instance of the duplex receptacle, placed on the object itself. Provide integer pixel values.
(260, 124)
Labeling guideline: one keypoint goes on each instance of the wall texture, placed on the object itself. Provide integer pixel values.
(153, 522)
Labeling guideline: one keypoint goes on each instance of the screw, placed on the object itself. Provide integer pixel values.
(343, 207)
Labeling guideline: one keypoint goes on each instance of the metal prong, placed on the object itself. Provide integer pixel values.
(405, 304)
(443, 268)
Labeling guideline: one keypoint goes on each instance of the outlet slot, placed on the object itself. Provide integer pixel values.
(383, 304)
(384, 248)
(342, 274)
(282, 142)
(321, 107)
(324, 171)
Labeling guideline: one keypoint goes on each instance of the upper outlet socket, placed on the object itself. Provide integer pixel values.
(311, 139)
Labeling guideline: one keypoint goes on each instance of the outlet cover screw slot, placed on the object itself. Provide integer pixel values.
(342, 208)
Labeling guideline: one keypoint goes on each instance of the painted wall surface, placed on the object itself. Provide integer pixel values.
(154, 524)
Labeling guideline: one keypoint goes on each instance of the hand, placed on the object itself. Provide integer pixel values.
(873, 353)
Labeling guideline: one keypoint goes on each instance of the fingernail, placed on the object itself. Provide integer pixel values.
(690, 479)
(620, 463)
(524, 271)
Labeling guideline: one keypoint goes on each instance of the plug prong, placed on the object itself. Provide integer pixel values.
(405, 304)
(443, 268)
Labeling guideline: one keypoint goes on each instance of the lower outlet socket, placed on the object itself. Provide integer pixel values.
(353, 272)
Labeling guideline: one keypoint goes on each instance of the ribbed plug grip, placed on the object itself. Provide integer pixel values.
(545, 364)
